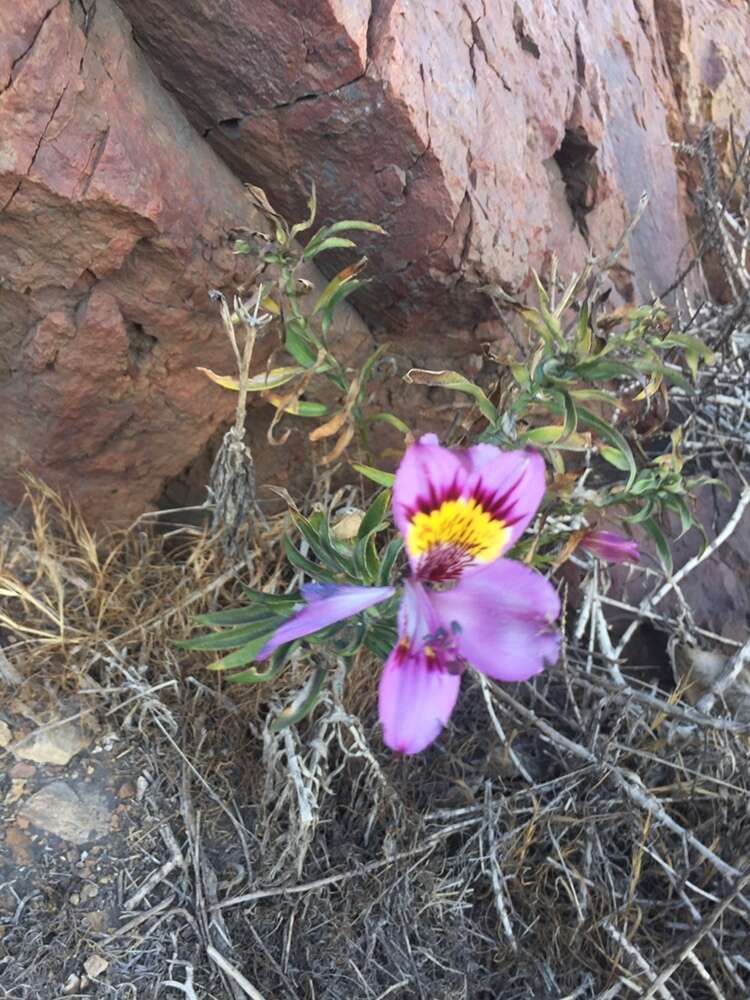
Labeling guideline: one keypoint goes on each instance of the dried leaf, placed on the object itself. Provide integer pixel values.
(339, 447)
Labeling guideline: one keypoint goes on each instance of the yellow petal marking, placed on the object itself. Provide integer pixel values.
(464, 524)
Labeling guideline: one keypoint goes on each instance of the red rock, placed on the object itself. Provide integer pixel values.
(483, 137)
(114, 222)
(706, 44)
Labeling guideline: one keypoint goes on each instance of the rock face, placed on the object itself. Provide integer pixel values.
(114, 221)
(483, 136)
(706, 43)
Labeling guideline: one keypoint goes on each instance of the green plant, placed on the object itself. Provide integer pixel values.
(586, 387)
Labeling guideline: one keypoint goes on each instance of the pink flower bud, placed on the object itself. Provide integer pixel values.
(611, 547)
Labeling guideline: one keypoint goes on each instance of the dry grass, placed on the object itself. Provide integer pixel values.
(582, 836)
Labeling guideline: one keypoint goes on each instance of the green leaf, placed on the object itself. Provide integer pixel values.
(300, 344)
(643, 514)
(380, 640)
(332, 243)
(584, 333)
(366, 559)
(245, 654)
(279, 602)
(354, 224)
(590, 371)
(313, 570)
(569, 410)
(368, 366)
(229, 639)
(554, 436)
(304, 704)
(608, 433)
(679, 507)
(315, 532)
(376, 514)
(392, 552)
(376, 475)
(521, 374)
(346, 225)
(615, 457)
(312, 205)
(342, 293)
(336, 283)
(662, 545)
(389, 418)
(298, 407)
(237, 616)
(277, 663)
(598, 394)
(456, 383)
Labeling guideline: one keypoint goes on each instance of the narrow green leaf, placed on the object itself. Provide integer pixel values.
(275, 667)
(315, 532)
(456, 383)
(279, 602)
(380, 640)
(332, 243)
(229, 639)
(313, 570)
(376, 514)
(333, 286)
(304, 704)
(236, 616)
(590, 371)
(376, 475)
(312, 205)
(662, 545)
(354, 224)
(389, 418)
(244, 655)
(300, 344)
(613, 436)
(392, 552)
(615, 457)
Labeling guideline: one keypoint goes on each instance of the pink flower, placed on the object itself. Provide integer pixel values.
(611, 547)
(458, 512)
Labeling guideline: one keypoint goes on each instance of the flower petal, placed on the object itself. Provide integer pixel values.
(415, 699)
(458, 509)
(511, 482)
(502, 618)
(327, 603)
(428, 473)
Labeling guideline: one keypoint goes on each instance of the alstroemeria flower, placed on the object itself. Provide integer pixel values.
(458, 511)
(611, 547)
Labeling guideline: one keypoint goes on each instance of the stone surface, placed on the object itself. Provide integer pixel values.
(74, 812)
(484, 137)
(717, 590)
(706, 44)
(114, 223)
(53, 744)
(6, 734)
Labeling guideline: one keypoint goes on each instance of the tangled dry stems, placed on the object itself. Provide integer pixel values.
(585, 836)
